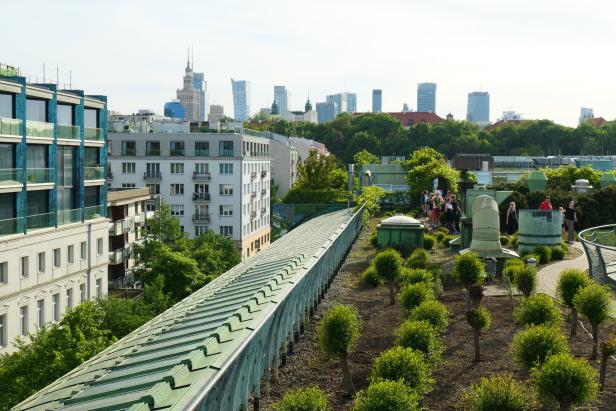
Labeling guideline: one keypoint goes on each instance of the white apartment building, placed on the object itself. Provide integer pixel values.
(217, 181)
(285, 157)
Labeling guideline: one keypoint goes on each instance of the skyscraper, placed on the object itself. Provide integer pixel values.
(585, 114)
(345, 102)
(190, 96)
(281, 97)
(478, 108)
(241, 99)
(377, 101)
(326, 111)
(426, 97)
(201, 86)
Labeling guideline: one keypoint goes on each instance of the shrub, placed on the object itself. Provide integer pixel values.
(564, 246)
(428, 242)
(469, 269)
(370, 278)
(513, 240)
(414, 294)
(510, 266)
(608, 349)
(373, 239)
(404, 364)
(594, 301)
(388, 265)
(434, 312)
(479, 319)
(386, 395)
(532, 346)
(418, 259)
(558, 253)
(499, 392)
(536, 310)
(303, 399)
(569, 283)
(525, 278)
(566, 380)
(337, 334)
(421, 336)
(417, 275)
(440, 236)
(442, 229)
(447, 240)
(504, 240)
(544, 252)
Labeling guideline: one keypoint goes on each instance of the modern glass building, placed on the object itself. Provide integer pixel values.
(281, 97)
(478, 107)
(175, 109)
(201, 85)
(426, 97)
(241, 99)
(345, 102)
(377, 101)
(326, 111)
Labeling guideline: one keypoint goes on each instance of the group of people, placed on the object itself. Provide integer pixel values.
(569, 218)
(433, 205)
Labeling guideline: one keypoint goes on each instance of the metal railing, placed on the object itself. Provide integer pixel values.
(39, 129)
(95, 134)
(153, 176)
(201, 176)
(201, 197)
(94, 173)
(201, 217)
(600, 247)
(68, 132)
(10, 127)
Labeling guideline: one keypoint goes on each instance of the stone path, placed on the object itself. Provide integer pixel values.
(548, 276)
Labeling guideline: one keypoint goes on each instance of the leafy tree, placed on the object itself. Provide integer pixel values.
(386, 395)
(421, 336)
(498, 392)
(569, 283)
(469, 270)
(388, 264)
(316, 171)
(365, 157)
(479, 319)
(214, 254)
(164, 227)
(566, 380)
(533, 345)
(303, 399)
(426, 165)
(536, 310)
(525, 278)
(370, 196)
(594, 302)
(123, 315)
(412, 295)
(337, 333)
(432, 311)
(154, 296)
(608, 349)
(417, 259)
(370, 278)
(403, 364)
(415, 275)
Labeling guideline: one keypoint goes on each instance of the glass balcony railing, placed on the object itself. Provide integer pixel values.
(39, 129)
(10, 127)
(152, 152)
(93, 173)
(10, 226)
(39, 175)
(68, 132)
(129, 152)
(226, 153)
(69, 216)
(202, 152)
(40, 221)
(11, 176)
(90, 213)
(176, 152)
(93, 134)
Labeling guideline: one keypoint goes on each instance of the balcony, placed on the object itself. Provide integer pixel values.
(93, 173)
(263, 210)
(253, 175)
(39, 175)
(68, 132)
(201, 218)
(39, 129)
(202, 153)
(70, 216)
(201, 197)
(253, 194)
(201, 176)
(263, 174)
(152, 176)
(152, 152)
(121, 226)
(11, 226)
(253, 214)
(11, 176)
(129, 152)
(10, 127)
(39, 221)
(226, 153)
(90, 213)
(176, 152)
(116, 257)
(95, 134)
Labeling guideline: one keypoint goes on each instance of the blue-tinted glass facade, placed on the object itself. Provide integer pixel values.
(426, 97)
(478, 108)
(377, 101)
(175, 109)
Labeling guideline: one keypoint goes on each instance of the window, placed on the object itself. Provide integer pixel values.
(84, 250)
(154, 188)
(6, 105)
(226, 230)
(99, 246)
(23, 320)
(128, 185)
(55, 307)
(4, 272)
(177, 189)
(99, 288)
(226, 210)
(225, 148)
(152, 148)
(90, 118)
(177, 168)
(70, 254)
(226, 189)
(200, 229)
(202, 148)
(36, 110)
(69, 297)
(65, 114)
(128, 168)
(40, 313)
(202, 168)
(177, 209)
(129, 148)
(3, 327)
(56, 257)
(82, 292)
(176, 148)
(226, 168)
(41, 262)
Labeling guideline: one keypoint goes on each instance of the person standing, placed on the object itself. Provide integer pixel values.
(570, 220)
(511, 220)
(546, 204)
(456, 215)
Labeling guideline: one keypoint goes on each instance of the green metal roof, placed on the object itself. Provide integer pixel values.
(182, 352)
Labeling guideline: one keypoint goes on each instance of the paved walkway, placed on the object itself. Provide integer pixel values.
(548, 276)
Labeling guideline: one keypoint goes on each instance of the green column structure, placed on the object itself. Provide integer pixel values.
(537, 181)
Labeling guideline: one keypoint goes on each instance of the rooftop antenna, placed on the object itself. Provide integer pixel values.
(192, 50)
(188, 58)
(43, 72)
(57, 75)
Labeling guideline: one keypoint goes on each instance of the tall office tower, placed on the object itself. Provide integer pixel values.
(586, 113)
(377, 101)
(281, 97)
(241, 99)
(53, 204)
(351, 102)
(327, 111)
(405, 108)
(190, 96)
(426, 97)
(478, 108)
(201, 86)
(345, 102)
(174, 109)
(217, 112)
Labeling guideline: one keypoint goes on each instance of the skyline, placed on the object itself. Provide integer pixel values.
(541, 60)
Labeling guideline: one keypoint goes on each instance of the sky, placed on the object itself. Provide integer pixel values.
(543, 59)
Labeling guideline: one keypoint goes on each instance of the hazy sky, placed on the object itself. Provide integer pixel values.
(544, 59)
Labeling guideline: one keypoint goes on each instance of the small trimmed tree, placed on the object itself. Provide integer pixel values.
(469, 270)
(414, 294)
(404, 364)
(415, 275)
(434, 312)
(566, 380)
(536, 310)
(337, 333)
(479, 319)
(594, 302)
(421, 336)
(525, 278)
(303, 399)
(608, 349)
(532, 346)
(569, 283)
(386, 395)
(499, 392)
(388, 264)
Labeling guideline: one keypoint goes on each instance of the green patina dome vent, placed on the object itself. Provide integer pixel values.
(401, 232)
(400, 219)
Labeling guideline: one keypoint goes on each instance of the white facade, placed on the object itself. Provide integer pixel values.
(217, 181)
(46, 271)
(285, 158)
(217, 112)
